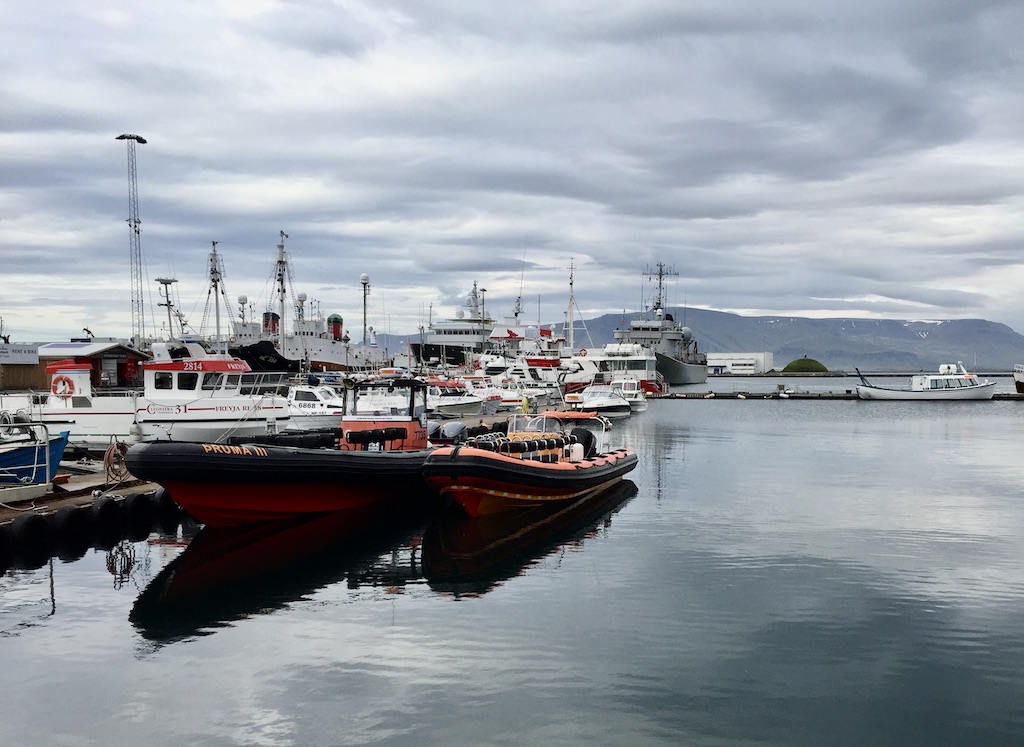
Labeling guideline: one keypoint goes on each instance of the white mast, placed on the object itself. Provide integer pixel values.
(568, 316)
(282, 271)
(215, 279)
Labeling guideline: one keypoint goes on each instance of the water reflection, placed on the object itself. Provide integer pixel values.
(230, 573)
(470, 556)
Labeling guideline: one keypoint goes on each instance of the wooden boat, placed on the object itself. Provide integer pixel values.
(551, 457)
(471, 555)
(952, 382)
(375, 456)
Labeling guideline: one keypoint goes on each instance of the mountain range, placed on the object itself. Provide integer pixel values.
(872, 345)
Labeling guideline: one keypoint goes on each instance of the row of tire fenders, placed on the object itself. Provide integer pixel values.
(33, 538)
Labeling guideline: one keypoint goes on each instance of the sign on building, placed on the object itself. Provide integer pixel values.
(19, 354)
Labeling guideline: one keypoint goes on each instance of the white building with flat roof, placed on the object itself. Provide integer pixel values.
(733, 364)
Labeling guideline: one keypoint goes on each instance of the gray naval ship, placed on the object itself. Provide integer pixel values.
(679, 361)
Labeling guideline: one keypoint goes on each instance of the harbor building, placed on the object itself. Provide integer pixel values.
(735, 364)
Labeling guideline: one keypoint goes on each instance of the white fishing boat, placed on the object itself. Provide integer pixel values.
(313, 406)
(507, 393)
(450, 398)
(952, 382)
(189, 394)
(615, 360)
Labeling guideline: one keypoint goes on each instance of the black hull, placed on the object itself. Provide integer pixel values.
(226, 485)
(254, 464)
(262, 356)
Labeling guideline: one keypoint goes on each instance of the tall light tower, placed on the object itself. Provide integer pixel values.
(135, 246)
(365, 280)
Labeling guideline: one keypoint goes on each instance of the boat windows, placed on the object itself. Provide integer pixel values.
(304, 396)
(163, 380)
(188, 381)
(211, 381)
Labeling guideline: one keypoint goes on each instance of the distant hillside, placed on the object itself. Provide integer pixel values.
(840, 344)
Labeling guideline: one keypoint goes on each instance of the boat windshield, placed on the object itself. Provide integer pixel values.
(534, 424)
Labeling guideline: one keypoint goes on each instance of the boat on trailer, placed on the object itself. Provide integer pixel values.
(375, 456)
(952, 382)
(540, 459)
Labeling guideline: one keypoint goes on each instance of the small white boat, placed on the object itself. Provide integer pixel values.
(952, 382)
(449, 397)
(632, 392)
(600, 398)
(313, 406)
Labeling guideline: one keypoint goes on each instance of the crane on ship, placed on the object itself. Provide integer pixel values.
(135, 245)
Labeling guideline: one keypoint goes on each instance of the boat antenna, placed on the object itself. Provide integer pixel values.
(518, 308)
(569, 317)
(282, 288)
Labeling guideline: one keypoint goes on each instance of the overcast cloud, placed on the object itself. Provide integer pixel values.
(798, 158)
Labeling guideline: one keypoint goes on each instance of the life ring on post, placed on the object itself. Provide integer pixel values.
(583, 352)
(62, 386)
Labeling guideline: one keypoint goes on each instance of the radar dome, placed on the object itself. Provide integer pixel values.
(302, 297)
(364, 278)
(460, 314)
(243, 299)
(687, 334)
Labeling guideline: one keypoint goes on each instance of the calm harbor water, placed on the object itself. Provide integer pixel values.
(782, 572)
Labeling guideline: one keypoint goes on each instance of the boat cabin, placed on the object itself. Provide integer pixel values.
(388, 414)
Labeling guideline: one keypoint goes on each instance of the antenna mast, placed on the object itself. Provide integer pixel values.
(135, 246)
(572, 302)
(658, 306)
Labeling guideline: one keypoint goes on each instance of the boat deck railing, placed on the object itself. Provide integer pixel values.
(30, 433)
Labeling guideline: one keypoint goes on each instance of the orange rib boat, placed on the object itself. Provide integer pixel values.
(541, 459)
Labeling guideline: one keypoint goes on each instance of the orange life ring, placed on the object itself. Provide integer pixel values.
(583, 352)
(62, 386)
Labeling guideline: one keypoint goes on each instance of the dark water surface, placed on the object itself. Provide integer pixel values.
(777, 572)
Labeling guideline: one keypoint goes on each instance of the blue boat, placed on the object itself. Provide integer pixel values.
(29, 455)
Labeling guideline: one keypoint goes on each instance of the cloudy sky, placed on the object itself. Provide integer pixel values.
(799, 157)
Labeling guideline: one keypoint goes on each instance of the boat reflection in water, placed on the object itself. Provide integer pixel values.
(469, 556)
(230, 573)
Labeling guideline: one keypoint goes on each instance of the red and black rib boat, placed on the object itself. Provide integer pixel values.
(542, 459)
(375, 456)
